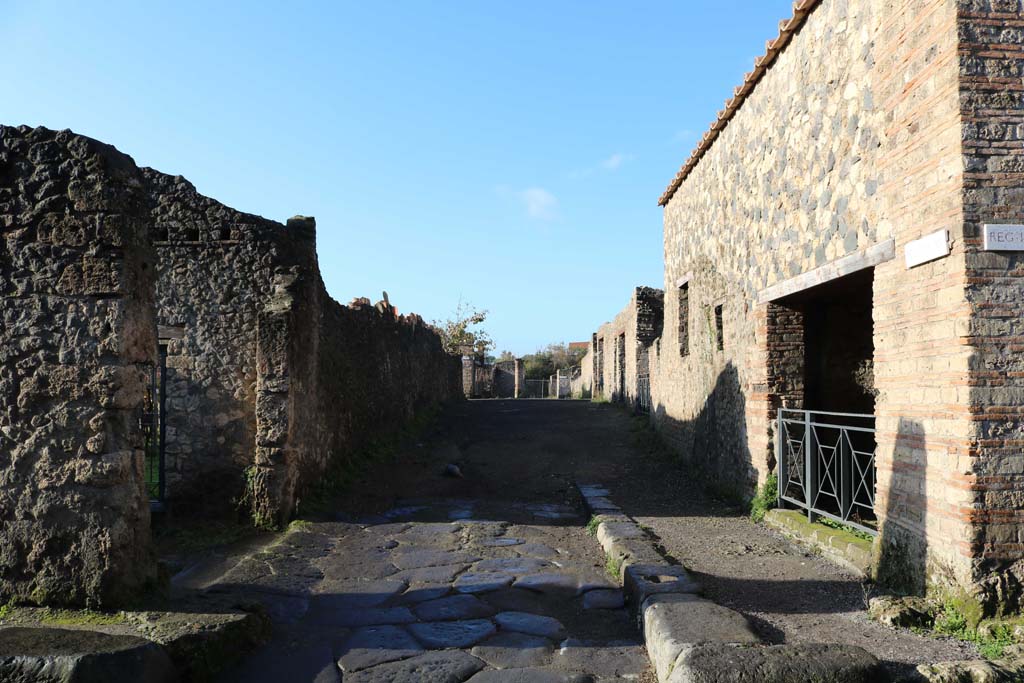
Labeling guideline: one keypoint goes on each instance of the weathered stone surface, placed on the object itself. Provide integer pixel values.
(442, 634)
(605, 660)
(512, 565)
(473, 582)
(673, 623)
(453, 666)
(640, 581)
(500, 541)
(530, 676)
(550, 584)
(532, 624)
(431, 575)
(1008, 670)
(429, 557)
(50, 655)
(514, 651)
(78, 338)
(907, 612)
(719, 663)
(603, 598)
(374, 645)
(359, 616)
(453, 607)
(537, 550)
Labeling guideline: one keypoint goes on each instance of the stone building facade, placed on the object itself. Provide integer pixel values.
(617, 365)
(823, 251)
(110, 273)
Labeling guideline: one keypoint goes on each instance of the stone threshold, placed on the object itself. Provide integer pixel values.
(839, 546)
(690, 638)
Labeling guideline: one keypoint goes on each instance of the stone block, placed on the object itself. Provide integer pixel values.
(641, 581)
(673, 623)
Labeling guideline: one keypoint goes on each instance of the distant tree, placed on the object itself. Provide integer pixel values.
(506, 356)
(461, 334)
(552, 358)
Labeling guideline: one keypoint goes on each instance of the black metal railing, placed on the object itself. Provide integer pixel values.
(827, 465)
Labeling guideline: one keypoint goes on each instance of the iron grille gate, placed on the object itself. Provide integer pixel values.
(643, 394)
(154, 430)
(827, 465)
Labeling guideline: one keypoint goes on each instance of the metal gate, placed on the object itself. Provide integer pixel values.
(827, 465)
(643, 394)
(154, 430)
(535, 388)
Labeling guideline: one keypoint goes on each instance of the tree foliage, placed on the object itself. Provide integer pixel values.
(552, 358)
(462, 333)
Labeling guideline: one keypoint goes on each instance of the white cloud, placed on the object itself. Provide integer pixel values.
(616, 160)
(539, 203)
(610, 164)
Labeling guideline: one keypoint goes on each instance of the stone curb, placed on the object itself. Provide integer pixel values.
(839, 546)
(690, 639)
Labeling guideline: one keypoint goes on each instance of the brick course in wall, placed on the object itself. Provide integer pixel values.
(879, 122)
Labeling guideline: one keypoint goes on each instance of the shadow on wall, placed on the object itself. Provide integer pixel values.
(902, 553)
(714, 442)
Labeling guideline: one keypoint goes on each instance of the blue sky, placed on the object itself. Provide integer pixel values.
(510, 154)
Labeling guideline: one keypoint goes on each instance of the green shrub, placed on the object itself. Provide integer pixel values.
(766, 498)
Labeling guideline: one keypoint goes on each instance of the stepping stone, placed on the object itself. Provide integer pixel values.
(453, 607)
(376, 645)
(538, 550)
(514, 651)
(284, 609)
(434, 667)
(604, 659)
(529, 676)
(482, 583)
(443, 574)
(603, 598)
(512, 565)
(337, 569)
(350, 595)
(585, 585)
(422, 593)
(429, 557)
(549, 583)
(532, 624)
(445, 634)
(500, 542)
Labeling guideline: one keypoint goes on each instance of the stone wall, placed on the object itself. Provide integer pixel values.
(334, 380)
(991, 65)
(216, 272)
(270, 383)
(849, 148)
(77, 344)
(626, 342)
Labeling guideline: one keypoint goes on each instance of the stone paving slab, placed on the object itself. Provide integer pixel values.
(411, 595)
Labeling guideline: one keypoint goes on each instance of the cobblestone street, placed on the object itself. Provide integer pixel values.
(485, 587)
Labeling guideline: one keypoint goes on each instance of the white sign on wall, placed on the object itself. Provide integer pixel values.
(1003, 237)
(927, 248)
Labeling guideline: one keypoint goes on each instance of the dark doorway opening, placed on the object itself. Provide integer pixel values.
(821, 343)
